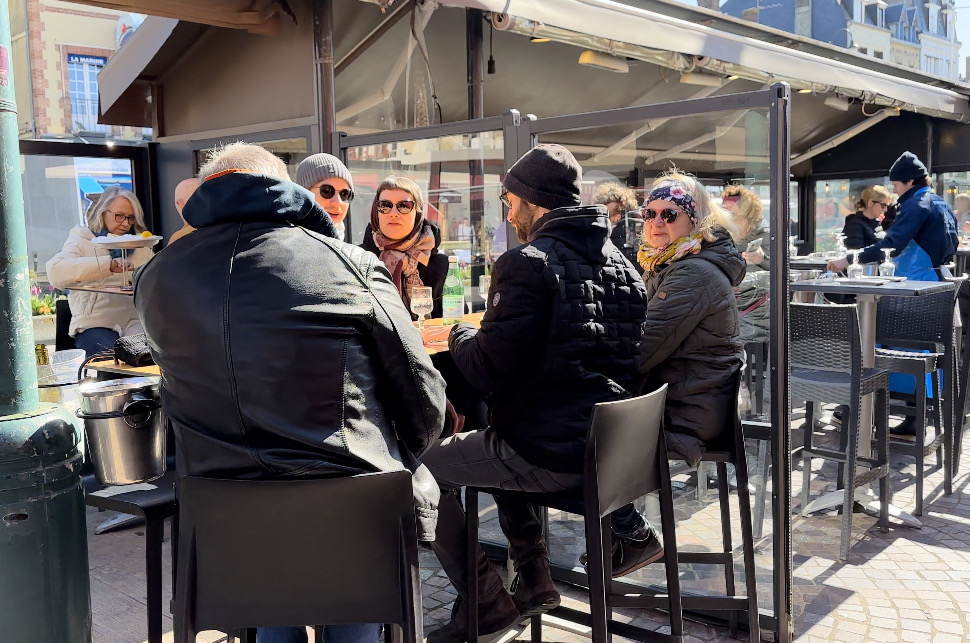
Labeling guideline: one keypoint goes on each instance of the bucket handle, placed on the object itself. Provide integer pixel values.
(139, 405)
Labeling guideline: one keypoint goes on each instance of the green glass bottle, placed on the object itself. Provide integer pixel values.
(453, 294)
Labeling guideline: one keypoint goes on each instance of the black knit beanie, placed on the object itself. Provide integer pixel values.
(547, 176)
(907, 168)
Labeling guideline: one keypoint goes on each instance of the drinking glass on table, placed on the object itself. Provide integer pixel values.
(484, 283)
(855, 269)
(887, 268)
(421, 303)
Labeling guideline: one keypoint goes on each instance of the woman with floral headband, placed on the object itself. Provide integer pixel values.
(690, 339)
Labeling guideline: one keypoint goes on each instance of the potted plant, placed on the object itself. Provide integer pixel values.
(42, 311)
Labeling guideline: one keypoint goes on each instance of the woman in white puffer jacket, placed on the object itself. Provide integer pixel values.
(98, 319)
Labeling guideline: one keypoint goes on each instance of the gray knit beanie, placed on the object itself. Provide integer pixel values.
(548, 176)
(322, 166)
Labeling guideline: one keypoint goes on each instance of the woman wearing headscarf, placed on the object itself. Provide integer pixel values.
(690, 339)
(405, 240)
(98, 319)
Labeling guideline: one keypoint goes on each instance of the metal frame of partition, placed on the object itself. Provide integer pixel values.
(520, 134)
(142, 167)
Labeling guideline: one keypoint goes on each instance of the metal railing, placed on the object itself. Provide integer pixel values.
(84, 116)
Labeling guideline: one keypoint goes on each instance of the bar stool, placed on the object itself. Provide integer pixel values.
(826, 366)
(921, 323)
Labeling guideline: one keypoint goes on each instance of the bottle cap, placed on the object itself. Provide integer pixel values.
(452, 259)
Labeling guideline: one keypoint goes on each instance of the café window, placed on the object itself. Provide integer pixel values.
(82, 75)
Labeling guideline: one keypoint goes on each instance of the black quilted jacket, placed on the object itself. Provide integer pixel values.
(565, 314)
(691, 343)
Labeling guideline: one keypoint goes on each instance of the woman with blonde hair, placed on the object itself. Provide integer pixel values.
(861, 226)
(745, 206)
(690, 340)
(98, 319)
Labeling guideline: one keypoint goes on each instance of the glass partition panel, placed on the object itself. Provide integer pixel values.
(722, 148)
(460, 177)
(835, 199)
(955, 188)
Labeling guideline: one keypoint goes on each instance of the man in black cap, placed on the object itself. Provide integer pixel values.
(565, 315)
(923, 236)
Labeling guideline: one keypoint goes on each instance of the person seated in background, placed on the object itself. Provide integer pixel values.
(861, 226)
(619, 200)
(183, 191)
(405, 241)
(745, 208)
(564, 317)
(961, 210)
(98, 319)
(752, 293)
(332, 186)
(314, 370)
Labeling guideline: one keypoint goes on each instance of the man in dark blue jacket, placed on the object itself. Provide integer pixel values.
(924, 235)
(565, 315)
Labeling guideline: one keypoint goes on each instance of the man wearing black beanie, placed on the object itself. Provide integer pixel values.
(565, 315)
(924, 235)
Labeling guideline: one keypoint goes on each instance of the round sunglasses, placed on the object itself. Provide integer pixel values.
(327, 192)
(668, 215)
(404, 207)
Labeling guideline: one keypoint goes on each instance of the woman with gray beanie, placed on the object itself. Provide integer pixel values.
(331, 184)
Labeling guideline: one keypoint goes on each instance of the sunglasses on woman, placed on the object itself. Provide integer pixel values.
(327, 192)
(404, 207)
(669, 215)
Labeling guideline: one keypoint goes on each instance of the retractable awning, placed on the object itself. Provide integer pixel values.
(258, 16)
(634, 25)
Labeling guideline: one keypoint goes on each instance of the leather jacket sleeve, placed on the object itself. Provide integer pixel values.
(415, 391)
(514, 324)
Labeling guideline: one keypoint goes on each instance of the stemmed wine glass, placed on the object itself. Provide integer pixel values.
(421, 303)
(484, 283)
(887, 268)
(854, 270)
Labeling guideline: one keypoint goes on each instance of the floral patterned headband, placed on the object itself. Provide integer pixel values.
(675, 192)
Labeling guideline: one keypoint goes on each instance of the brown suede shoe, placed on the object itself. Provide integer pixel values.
(494, 617)
(533, 590)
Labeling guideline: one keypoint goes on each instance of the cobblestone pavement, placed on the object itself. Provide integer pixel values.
(903, 585)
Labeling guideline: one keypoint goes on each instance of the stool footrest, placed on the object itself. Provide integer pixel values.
(705, 557)
(625, 630)
(716, 603)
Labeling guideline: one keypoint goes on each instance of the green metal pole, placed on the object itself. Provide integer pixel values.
(45, 595)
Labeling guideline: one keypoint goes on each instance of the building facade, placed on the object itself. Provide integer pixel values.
(919, 34)
(58, 48)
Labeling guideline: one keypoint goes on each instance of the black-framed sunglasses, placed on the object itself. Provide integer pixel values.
(404, 207)
(121, 218)
(504, 198)
(669, 215)
(327, 192)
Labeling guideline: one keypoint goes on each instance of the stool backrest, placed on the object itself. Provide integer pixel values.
(626, 448)
(259, 553)
(825, 337)
(928, 318)
(62, 326)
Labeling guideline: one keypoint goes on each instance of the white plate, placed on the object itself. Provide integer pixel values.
(863, 281)
(115, 243)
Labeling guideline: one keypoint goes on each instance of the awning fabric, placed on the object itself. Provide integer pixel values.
(258, 16)
(122, 71)
(637, 26)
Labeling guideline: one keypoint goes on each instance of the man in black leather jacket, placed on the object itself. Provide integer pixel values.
(565, 314)
(285, 352)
